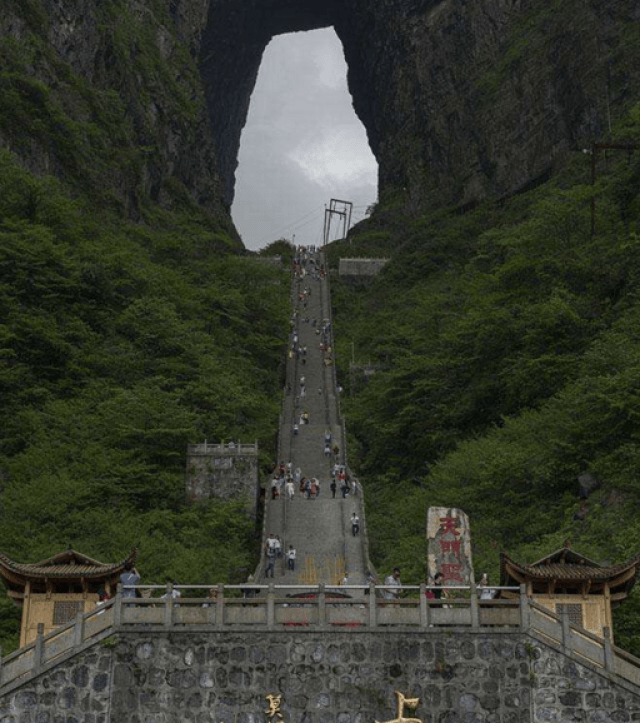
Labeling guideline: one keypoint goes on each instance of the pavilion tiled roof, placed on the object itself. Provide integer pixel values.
(64, 565)
(565, 565)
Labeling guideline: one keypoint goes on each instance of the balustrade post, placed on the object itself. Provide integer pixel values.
(211, 608)
(78, 630)
(474, 608)
(609, 655)
(566, 630)
(424, 607)
(525, 610)
(271, 607)
(220, 606)
(322, 606)
(38, 651)
(168, 606)
(372, 606)
(117, 608)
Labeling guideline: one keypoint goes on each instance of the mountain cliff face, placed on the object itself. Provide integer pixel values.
(107, 95)
(460, 99)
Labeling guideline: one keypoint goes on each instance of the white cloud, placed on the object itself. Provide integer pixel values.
(337, 157)
(302, 144)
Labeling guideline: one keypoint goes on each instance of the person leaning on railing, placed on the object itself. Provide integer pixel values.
(436, 593)
(129, 578)
(393, 586)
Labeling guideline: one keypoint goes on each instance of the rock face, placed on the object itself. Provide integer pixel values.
(461, 99)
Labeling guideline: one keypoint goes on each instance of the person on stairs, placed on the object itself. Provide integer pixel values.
(291, 558)
(355, 525)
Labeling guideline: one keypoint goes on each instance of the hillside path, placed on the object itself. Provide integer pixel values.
(319, 529)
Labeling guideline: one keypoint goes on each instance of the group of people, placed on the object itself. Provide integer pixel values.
(285, 481)
(304, 263)
(341, 479)
(273, 552)
(435, 591)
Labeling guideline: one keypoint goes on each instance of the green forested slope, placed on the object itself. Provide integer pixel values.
(507, 342)
(120, 343)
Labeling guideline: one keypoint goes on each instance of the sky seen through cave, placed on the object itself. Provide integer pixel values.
(302, 145)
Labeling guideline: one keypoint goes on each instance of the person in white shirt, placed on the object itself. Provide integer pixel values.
(486, 592)
(393, 585)
(291, 558)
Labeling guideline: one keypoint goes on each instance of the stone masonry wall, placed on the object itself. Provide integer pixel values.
(223, 473)
(333, 677)
(361, 267)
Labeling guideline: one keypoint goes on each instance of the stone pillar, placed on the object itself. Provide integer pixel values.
(475, 612)
(609, 656)
(322, 605)
(372, 606)
(78, 630)
(168, 606)
(424, 607)
(525, 610)
(38, 651)
(449, 539)
(271, 607)
(566, 629)
(117, 607)
(220, 606)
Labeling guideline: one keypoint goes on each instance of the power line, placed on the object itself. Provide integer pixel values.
(316, 210)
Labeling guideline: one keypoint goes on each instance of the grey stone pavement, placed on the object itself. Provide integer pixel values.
(319, 529)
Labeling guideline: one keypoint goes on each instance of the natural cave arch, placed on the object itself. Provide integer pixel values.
(456, 102)
(233, 43)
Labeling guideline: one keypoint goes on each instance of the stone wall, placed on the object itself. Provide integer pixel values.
(224, 472)
(361, 267)
(323, 677)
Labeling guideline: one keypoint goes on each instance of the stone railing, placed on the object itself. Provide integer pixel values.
(47, 650)
(279, 608)
(579, 643)
(209, 448)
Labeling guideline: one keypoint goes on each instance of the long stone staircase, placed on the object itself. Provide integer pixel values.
(318, 528)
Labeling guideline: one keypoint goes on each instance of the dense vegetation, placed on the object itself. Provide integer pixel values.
(131, 322)
(120, 344)
(505, 339)
(507, 355)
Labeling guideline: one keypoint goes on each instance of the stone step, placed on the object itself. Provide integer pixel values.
(319, 529)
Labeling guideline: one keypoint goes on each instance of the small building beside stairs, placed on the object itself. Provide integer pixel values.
(567, 580)
(54, 591)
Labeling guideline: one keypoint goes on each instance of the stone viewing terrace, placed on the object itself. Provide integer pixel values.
(361, 267)
(281, 609)
(211, 448)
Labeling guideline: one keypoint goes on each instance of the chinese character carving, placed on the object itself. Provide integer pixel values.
(449, 524)
(452, 546)
(451, 571)
(273, 711)
(401, 701)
